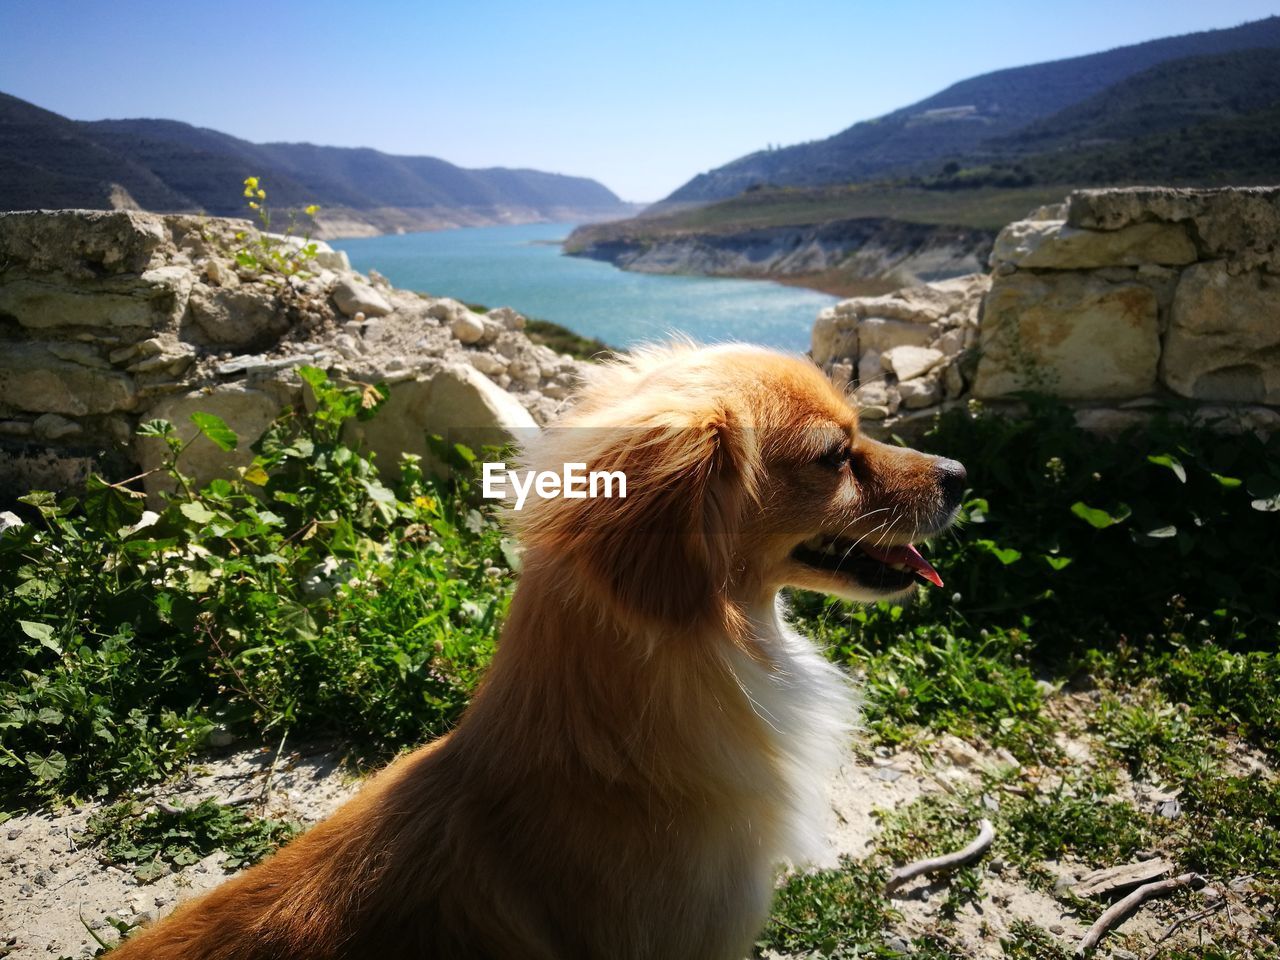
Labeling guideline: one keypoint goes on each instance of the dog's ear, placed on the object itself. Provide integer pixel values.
(662, 553)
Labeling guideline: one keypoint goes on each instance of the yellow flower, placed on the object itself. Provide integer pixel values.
(252, 205)
(262, 194)
(312, 209)
(251, 183)
(248, 192)
(424, 503)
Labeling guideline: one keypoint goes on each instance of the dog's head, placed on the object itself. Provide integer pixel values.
(745, 472)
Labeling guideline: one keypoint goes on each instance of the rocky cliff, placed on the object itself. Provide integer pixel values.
(871, 249)
(1121, 302)
(109, 319)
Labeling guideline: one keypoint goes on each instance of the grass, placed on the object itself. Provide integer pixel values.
(563, 340)
(1094, 593)
(559, 338)
(982, 208)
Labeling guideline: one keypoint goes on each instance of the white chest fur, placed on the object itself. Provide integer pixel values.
(809, 708)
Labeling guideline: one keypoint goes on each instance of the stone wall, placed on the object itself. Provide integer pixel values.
(111, 318)
(1118, 301)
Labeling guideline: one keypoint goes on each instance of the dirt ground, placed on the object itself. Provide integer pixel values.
(53, 891)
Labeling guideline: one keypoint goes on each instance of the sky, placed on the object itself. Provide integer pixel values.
(641, 96)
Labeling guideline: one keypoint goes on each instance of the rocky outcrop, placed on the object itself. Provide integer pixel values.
(1117, 301)
(902, 350)
(868, 248)
(109, 319)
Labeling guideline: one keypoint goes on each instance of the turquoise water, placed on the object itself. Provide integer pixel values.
(522, 267)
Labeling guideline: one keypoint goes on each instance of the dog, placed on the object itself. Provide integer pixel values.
(651, 741)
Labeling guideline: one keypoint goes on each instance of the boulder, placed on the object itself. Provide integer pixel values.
(354, 297)
(1053, 245)
(1223, 341)
(247, 411)
(468, 327)
(1069, 334)
(455, 402)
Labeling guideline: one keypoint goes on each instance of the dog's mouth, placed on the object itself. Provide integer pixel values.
(885, 569)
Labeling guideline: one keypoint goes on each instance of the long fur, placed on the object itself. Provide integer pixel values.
(651, 741)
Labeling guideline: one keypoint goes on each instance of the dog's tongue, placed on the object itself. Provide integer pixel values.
(906, 554)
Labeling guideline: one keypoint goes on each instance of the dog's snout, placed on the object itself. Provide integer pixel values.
(951, 478)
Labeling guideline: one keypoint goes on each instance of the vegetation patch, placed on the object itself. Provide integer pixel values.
(303, 591)
(154, 843)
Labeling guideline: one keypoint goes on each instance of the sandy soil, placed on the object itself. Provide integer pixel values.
(53, 891)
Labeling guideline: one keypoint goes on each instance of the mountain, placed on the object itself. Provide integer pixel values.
(47, 160)
(981, 117)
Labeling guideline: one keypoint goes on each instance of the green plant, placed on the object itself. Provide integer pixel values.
(837, 913)
(274, 255)
(153, 843)
(304, 589)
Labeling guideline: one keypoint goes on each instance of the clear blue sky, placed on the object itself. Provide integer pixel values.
(641, 96)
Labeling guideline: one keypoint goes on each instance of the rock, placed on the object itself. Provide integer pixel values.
(526, 372)
(953, 381)
(877, 394)
(957, 751)
(50, 426)
(82, 244)
(1237, 224)
(1053, 245)
(877, 334)
(488, 363)
(842, 374)
(80, 353)
(911, 362)
(113, 301)
(468, 327)
(33, 379)
(1043, 332)
(951, 342)
(455, 402)
(834, 337)
(248, 411)
(354, 297)
(1223, 341)
(243, 316)
(870, 367)
(923, 392)
(508, 318)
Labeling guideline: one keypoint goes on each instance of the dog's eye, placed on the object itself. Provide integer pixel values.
(836, 457)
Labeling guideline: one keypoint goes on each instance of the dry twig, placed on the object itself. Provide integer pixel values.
(1121, 910)
(986, 834)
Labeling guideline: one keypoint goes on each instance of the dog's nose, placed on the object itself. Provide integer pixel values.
(951, 478)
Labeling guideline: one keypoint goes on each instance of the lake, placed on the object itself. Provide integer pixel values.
(522, 267)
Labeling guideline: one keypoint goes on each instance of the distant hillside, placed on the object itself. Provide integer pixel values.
(983, 116)
(47, 160)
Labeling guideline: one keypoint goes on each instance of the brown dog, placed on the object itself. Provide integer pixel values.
(651, 741)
